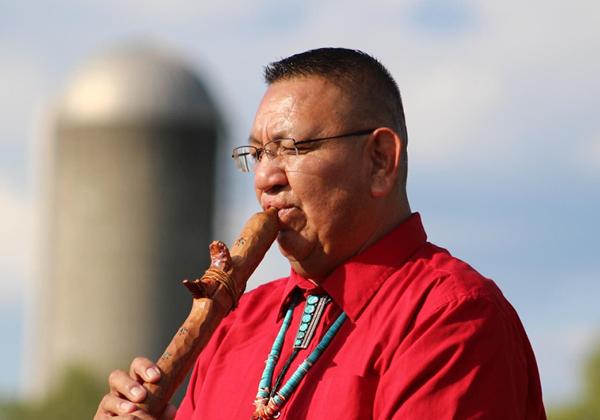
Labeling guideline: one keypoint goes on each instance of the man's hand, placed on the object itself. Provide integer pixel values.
(126, 390)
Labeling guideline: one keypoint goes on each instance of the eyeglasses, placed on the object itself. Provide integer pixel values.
(246, 157)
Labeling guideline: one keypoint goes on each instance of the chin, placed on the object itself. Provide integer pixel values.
(294, 246)
(303, 255)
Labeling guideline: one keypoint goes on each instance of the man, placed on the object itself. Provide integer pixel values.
(373, 321)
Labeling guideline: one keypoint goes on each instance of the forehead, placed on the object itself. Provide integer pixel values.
(300, 107)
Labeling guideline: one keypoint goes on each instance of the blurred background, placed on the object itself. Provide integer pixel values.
(501, 100)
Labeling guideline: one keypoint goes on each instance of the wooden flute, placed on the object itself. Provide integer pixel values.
(215, 294)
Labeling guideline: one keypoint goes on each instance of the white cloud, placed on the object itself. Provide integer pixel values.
(586, 155)
(450, 107)
(561, 352)
(184, 10)
(15, 243)
(22, 90)
(492, 234)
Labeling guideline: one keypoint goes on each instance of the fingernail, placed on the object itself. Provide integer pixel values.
(152, 373)
(137, 391)
(127, 406)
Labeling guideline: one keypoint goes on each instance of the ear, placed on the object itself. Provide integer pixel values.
(385, 149)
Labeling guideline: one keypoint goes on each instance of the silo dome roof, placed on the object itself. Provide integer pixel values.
(136, 85)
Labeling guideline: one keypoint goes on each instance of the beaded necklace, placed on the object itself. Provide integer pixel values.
(269, 401)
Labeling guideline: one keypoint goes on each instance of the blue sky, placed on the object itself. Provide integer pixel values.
(504, 138)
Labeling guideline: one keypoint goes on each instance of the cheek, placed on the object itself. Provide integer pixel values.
(257, 194)
(329, 189)
(330, 199)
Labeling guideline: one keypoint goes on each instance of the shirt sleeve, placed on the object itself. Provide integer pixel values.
(466, 359)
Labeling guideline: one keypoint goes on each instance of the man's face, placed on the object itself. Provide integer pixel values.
(322, 194)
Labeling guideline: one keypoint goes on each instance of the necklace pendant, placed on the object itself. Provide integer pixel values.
(275, 416)
(315, 306)
(267, 409)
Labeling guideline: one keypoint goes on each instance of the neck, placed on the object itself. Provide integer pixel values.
(387, 223)
(384, 221)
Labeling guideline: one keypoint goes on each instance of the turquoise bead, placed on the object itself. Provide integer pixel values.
(303, 327)
(309, 309)
(312, 300)
(306, 318)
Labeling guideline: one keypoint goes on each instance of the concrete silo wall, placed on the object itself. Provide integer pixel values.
(130, 217)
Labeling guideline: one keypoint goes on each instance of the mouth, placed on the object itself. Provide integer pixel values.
(289, 216)
(285, 215)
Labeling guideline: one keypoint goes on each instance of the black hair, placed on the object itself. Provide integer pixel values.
(355, 71)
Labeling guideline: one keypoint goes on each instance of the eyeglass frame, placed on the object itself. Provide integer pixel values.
(261, 151)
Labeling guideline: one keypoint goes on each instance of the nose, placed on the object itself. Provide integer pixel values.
(269, 177)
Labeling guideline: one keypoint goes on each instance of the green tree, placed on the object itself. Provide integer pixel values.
(75, 397)
(588, 405)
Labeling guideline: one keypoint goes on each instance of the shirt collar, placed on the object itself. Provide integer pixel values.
(352, 284)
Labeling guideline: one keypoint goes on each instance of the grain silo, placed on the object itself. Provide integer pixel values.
(130, 210)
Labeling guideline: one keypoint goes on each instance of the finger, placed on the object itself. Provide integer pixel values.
(100, 414)
(144, 369)
(113, 405)
(141, 415)
(124, 386)
(131, 416)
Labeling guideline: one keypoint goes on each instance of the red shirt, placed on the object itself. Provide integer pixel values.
(427, 337)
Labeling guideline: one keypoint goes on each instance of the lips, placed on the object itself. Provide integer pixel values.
(290, 217)
(286, 215)
(279, 205)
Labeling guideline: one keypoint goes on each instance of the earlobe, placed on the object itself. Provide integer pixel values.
(385, 152)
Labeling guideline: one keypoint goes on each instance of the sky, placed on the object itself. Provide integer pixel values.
(501, 101)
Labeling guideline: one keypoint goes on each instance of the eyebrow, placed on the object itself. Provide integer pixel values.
(253, 141)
